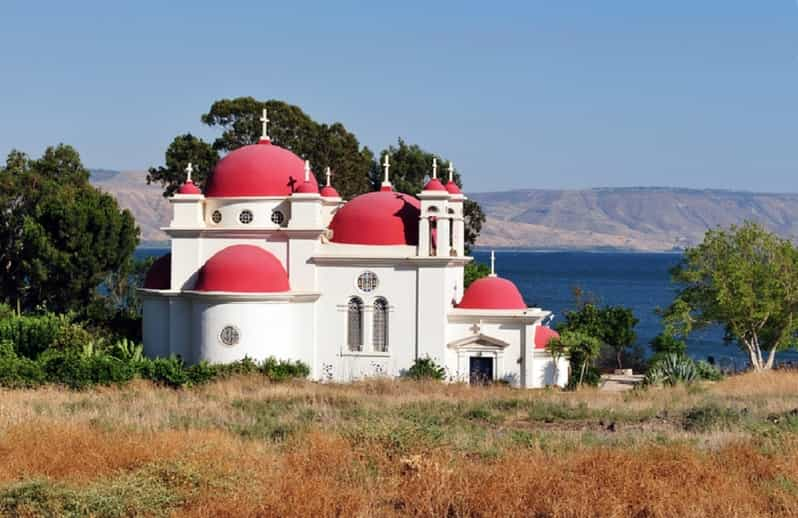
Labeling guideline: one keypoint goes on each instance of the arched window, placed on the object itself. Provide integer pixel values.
(354, 335)
(381, 325)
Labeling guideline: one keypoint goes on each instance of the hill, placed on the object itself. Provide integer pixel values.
(638, 218)
(642, 219)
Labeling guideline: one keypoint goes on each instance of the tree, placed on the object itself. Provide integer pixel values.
(184, 149)
(613, 325)
(59, 236)
(473, 271)
(558, 350)
(410, 167)
(324, 145)
(745, 279)
(581, 347)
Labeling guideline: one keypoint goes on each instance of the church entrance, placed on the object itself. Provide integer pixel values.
(480, 370)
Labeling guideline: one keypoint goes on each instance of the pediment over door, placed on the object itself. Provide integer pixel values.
(478, 340)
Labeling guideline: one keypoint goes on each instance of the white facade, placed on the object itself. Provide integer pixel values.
(352, 310)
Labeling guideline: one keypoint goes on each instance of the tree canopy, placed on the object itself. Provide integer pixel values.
(59, 236)
(745, 279)
(612, 325)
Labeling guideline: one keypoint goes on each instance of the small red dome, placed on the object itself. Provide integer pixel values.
(492, 293)
(243, 268)
(434, 185)
(329, 192)
(377, 218)
(544, 335)
(159, 276)
(453, 188)
(261, 169)
(307, 188)
(189, 188)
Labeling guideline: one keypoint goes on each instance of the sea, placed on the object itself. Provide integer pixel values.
(640, 281)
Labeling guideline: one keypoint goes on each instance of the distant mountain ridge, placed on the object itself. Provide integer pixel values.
(627, 218)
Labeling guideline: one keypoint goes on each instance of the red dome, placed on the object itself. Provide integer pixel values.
(159, 276)
(189, 188)
(329, 192)
(453, 188)
(544, 335)
(492, 293)
(243, 268)
(260, 169)
(308, 188)
(377, 218)
(434, 185)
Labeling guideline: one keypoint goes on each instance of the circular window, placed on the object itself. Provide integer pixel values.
(277, 217)
(216, 217)
(367, 282)
(245, 217)
(229, 336)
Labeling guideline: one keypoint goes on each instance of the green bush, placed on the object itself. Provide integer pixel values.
(165, 371)
(80, 371)
(425, 369)
(16, 372)
(281, 370)
(34, 334)
(707, 371)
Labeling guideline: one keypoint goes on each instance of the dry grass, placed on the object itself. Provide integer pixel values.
(380, 448)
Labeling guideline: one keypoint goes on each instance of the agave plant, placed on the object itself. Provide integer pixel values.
(672, 369)
(128, 350)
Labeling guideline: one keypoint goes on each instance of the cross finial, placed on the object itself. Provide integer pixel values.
(264, 130)
(493, 263)
(328, 174)
(386, 165)
(451, 171)
(189, 170)
(434, 167)
(307, 170)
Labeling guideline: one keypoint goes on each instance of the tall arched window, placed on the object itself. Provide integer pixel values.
(354, 337)
(381, 325)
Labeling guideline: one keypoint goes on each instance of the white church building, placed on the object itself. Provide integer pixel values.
(266, 263)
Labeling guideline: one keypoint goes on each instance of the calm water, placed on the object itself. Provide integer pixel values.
(639, 281)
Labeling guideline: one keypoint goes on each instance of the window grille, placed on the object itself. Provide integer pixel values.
(245, 217)
(355, 324)
(381, 325)
(230, 336)
(367, 282)
(278, 217)
(216, 217)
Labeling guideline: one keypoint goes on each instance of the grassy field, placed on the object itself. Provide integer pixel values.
(384, 448)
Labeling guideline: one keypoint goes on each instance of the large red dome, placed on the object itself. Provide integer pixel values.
(243, 268)
(492, 293)
(377, 218)
(261, 169)
(159, 276)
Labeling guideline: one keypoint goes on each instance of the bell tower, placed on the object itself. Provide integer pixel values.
(434, 224)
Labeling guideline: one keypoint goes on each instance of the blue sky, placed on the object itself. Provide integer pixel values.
(551, 94)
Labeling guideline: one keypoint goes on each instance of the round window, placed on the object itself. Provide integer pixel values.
(277, 217)
(245, 217)
(367, 282)
(216, 217)
(229, 336)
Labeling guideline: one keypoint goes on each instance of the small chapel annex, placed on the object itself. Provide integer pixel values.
(267, 263)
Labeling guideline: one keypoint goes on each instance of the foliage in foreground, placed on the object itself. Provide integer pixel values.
(425, 369)
(48, 348)
(673, 369)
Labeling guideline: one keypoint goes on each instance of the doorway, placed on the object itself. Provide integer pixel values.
(480, 370)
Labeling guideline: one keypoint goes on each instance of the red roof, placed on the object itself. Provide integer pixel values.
(544, 335)
(377, 218)
(329, 192)
(159, 276)
(453, 188)
(308, 188)
(243, 268)
(434, 185)
(492, 293)
(261, 169)
(189, 188)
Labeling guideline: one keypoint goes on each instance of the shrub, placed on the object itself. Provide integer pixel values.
(16, 372)
(281, 370)
(34, 334)
(79, 371)
(165, 371)
(707, 371)
(425, 369)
